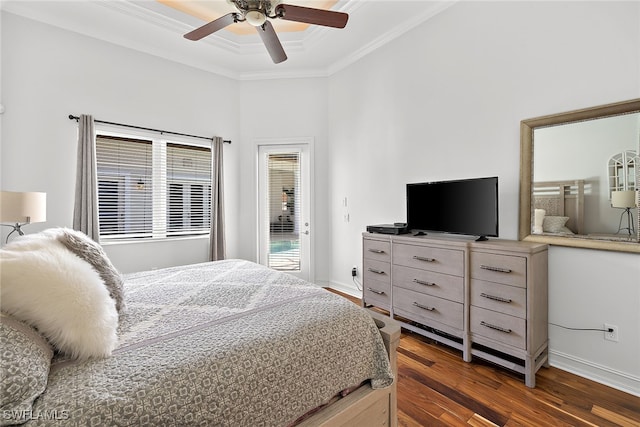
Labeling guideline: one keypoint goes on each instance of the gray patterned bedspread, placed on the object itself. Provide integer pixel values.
(228, 343)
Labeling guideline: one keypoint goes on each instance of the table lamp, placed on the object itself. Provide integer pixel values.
(625, 199)
(21, 208)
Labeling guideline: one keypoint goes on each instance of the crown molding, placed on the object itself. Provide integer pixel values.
(169, 23)
(290, 74)
(375, 44)
(389, 36)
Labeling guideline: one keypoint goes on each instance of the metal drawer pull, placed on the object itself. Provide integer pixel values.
(498, 269)
(497, 328)
(422, 282)
(495, 298)
(376, 251)
(424, 307)
(376, 292)
(373, 270)
(421, 258)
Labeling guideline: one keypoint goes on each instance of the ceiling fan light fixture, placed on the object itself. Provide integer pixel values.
(255, 17)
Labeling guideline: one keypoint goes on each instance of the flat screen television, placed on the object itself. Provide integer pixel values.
(465, 206)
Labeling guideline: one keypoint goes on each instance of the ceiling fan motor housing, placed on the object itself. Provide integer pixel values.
(266, 7)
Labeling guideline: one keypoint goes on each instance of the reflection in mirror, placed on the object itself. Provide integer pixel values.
(579, 171)
(581, 151)
(622, 171)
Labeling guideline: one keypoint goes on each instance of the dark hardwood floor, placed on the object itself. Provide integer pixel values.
(436, 388)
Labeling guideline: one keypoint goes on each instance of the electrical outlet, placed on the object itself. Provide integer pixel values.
(354, 271)
(610, 332)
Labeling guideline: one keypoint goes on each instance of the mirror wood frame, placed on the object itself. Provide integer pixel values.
(527, 128)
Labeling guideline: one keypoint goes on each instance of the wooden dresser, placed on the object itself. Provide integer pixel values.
(487, 299)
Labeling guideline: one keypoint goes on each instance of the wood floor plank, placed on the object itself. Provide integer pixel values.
(614, 417)
(479, 421)
(421, 396)
(415, 356)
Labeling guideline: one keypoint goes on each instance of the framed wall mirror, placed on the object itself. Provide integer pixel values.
(580, 178)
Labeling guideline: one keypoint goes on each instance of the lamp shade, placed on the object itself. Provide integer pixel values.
(623, 199)
(23, 207)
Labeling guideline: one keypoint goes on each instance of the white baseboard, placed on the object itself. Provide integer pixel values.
(350, 289)
(321, 283)
(601, 374)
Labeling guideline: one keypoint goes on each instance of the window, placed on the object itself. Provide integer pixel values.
(151, 188)
(189, 181)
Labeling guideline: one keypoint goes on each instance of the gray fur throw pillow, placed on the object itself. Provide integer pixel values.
(90, 251)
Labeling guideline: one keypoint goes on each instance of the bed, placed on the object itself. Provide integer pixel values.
(226, 343)
(558, 207)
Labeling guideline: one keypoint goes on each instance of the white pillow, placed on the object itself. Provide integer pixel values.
(554, 224)
(48, 287)
(538, 218)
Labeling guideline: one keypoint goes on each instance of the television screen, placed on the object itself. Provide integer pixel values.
(467, 206)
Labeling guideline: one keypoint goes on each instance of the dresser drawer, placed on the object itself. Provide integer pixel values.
(505, 299)
(377, 250)
(447, 261)
(424, 308)
(507, 269)
(377, 293)
(377, 270)
(429, 282)
(499, 327)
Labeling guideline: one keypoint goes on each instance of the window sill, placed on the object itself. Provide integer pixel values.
(107, 242)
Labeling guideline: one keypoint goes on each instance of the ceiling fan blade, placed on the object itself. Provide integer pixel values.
(309, 15)
(272, 43)
(212, 27)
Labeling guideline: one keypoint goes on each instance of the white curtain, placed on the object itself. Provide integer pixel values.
(85, 211)
(216, 236)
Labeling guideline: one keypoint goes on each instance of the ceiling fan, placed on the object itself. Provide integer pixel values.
(256, 12)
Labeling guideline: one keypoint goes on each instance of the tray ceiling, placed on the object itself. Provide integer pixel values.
(157, 27)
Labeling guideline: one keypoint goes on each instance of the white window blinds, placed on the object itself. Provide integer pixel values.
(124, 186)
(188, 189)
(151, 188)
(283, 171)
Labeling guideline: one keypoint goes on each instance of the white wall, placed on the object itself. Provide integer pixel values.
(445, 100)
(287, 109)
(48, 73)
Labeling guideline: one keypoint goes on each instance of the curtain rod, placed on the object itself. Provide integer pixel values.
(76, 118)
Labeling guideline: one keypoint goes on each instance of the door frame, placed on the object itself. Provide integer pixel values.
(284, 142)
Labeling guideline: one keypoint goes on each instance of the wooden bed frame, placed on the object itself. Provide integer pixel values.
(561, 198)
(365, 406)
